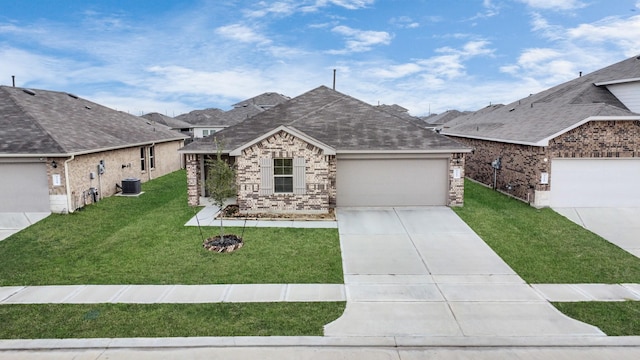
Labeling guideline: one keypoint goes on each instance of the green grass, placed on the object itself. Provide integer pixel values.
(144, 241)
(541, 245)
(613, 318)
(56, 321)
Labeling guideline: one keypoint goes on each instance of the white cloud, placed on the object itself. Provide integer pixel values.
(360, 40)
(404, 22)
(554, 4)
(612, 30)
(241, 33)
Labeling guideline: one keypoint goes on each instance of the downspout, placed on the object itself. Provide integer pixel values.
(66, 182)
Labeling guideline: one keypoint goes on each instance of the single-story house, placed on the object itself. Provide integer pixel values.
(324, 149)
(574, 145)
(173, 123)
(59, 152)
(209, 121)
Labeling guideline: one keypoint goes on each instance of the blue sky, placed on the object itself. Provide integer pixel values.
(175, 56)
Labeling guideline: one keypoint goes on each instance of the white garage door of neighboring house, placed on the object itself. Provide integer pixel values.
(595, 183)
(392, 182)
(24, 187)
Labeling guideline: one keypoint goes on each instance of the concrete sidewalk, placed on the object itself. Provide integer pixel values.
(424, 272)
(159, 294)
(378, 288)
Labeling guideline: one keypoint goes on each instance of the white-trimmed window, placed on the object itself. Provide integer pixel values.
(283, 175)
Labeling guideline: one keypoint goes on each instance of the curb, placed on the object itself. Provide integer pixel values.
(317, 341)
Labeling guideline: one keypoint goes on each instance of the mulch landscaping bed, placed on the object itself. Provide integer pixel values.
(232, 212)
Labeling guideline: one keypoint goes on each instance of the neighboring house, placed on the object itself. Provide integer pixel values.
(172, 123)
(574, 145)
(209, 121)
(59, 152)
(438, 121)
(204, 122)
(324, 149)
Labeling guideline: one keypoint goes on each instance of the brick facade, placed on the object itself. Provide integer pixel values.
(318, 176)
(523, 165)
(456, 180)
(118, 165)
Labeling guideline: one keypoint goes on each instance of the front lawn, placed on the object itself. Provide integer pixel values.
(543, 246)
(57, 321)
(143, 240)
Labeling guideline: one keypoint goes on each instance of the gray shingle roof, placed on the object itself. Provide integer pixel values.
(264, 101)
(206, 117)
(169, 121)
(445, 117)
(537, 118)
(51, 123)
(335, 119)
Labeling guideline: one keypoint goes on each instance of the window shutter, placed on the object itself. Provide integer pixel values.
(299, 176)
(266, 176)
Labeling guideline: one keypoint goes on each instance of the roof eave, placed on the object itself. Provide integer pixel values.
(85, 152)
(419, 151)
(545, 141)
(615, 82)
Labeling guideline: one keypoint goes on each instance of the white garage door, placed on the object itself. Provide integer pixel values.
(23, 187)
(595, 183)
(392, 182)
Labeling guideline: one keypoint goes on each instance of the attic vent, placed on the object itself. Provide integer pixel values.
(73, 96)
(87, 107)
(30, 92)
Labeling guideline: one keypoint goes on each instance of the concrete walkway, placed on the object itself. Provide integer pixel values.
(11, 223)
(620, 226)
(424, 272)
(206, 217)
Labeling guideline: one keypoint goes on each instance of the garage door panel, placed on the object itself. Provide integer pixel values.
(595, 183)
(397, 182)
(23, 187)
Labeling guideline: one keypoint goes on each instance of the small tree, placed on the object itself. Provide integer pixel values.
(221, 182)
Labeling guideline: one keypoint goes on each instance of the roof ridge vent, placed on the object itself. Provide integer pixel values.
(30, 92)
(72, 95)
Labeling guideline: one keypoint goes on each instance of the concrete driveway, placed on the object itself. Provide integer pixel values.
(11, 223)
(620, 226)
(424, 272)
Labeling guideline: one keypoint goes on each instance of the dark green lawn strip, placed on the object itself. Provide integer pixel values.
(144, 241)
(541, 245)
(614, 318)
(57, 321)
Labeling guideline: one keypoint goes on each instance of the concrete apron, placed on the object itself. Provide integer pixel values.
(424, 272)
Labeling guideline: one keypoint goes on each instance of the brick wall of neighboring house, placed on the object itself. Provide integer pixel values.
(523, 165)
(319, 175)
(521, 170)
(118, 165)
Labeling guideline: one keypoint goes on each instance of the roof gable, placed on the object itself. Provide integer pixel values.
(290, 130)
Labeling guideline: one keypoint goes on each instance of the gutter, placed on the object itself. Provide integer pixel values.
(92, 151)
